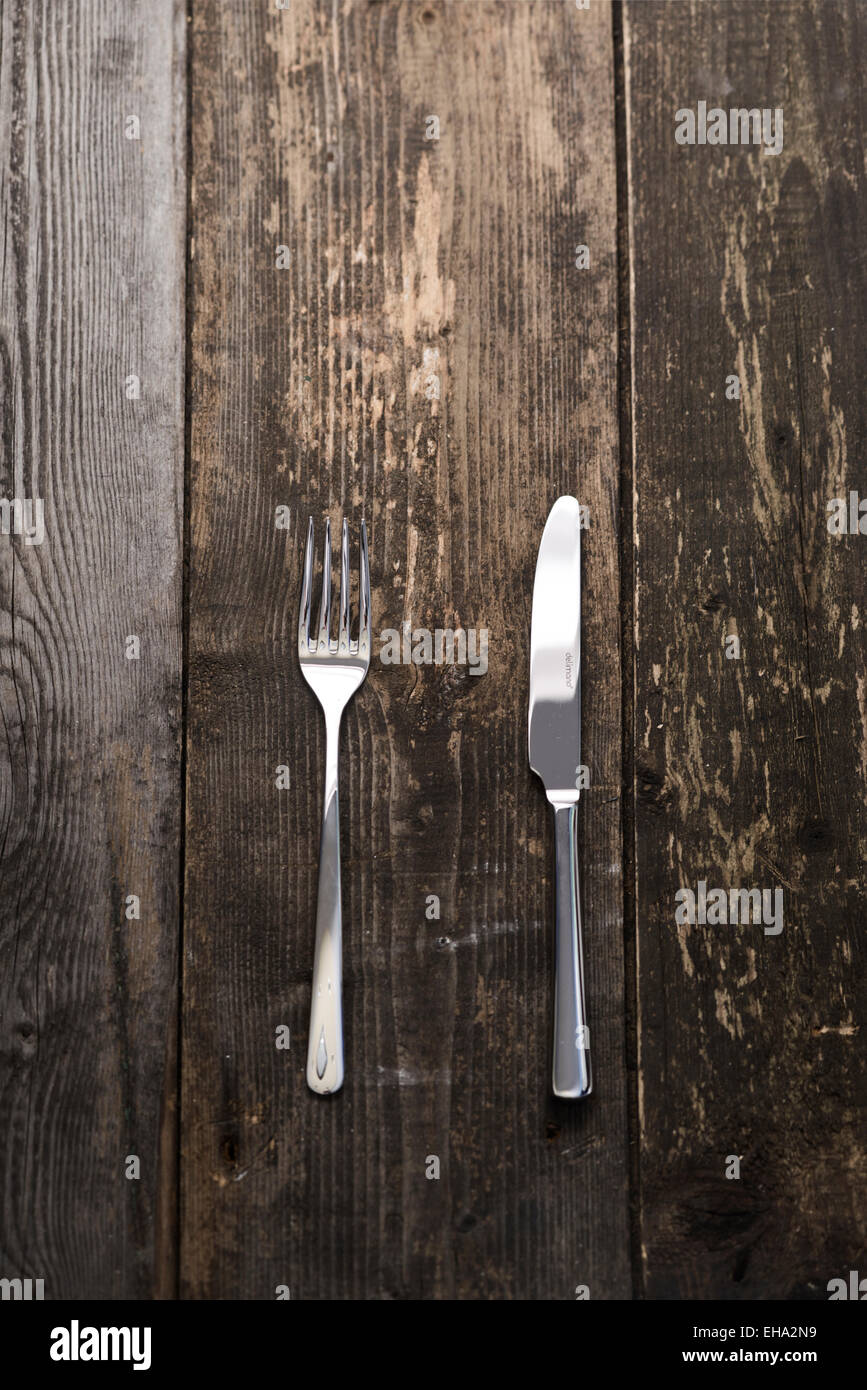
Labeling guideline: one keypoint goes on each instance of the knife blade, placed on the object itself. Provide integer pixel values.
(554, 736)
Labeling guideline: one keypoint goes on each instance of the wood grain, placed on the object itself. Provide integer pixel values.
(428, 355)
(91, 293)
(310, 388)
(750, 771)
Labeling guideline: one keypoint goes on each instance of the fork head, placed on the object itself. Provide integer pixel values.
(334, 667)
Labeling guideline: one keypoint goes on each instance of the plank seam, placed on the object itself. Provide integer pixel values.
(627, 628)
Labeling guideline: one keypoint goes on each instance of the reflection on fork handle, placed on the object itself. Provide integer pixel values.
(325, 1041)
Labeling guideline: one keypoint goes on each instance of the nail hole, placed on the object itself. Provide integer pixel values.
(816, 837)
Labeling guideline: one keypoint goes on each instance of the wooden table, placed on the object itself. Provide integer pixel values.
(325, 258)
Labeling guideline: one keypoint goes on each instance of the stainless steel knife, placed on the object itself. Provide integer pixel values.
(555, 755)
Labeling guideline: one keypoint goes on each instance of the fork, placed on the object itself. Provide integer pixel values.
(334, 669)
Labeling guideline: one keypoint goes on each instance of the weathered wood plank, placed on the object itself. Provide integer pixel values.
(91, 294)
(749, 771)
(311, 388)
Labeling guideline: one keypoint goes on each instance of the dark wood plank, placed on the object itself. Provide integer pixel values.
(91, 293)
(750, 771)
(308, 390)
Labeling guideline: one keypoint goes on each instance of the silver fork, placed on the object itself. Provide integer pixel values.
(334, 669)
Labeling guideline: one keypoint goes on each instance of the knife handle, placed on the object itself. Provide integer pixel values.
(572, 1078)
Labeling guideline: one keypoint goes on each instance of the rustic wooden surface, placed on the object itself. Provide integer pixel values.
(91, 292)
(749, 772)
(308, 389)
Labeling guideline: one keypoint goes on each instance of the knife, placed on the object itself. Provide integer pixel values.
(555, 756)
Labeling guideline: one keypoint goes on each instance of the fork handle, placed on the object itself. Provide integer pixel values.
(571, 1072)
(325, 1040)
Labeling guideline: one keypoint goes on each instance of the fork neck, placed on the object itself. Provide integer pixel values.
(332, 745)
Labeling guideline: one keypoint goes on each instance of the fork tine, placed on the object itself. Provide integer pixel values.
(343, 637)
(325, 605)
(304, 610)
(364, 586)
